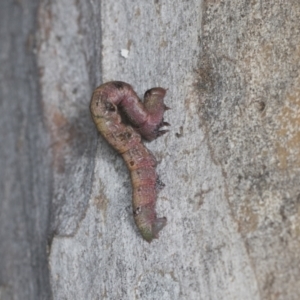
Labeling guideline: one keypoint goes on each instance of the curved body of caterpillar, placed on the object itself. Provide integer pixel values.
(107, 102)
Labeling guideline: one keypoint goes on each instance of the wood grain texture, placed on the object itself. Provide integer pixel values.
(230, 163)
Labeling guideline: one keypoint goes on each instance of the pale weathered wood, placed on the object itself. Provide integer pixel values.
(230, 162)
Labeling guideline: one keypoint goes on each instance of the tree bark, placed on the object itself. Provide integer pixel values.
(25, 176)
(230, 162)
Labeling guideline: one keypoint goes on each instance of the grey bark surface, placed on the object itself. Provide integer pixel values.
(25, 174)
(230, 162)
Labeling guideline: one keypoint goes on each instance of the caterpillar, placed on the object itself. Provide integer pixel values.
(123, 120)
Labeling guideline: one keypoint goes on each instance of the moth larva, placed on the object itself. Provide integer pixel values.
(109, 102)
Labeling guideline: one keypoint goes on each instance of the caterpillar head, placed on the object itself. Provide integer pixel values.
(155, 106)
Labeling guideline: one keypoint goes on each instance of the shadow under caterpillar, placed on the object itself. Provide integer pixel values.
(111, 101)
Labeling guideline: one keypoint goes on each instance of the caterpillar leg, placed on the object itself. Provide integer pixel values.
(151, 232)
(158, 225)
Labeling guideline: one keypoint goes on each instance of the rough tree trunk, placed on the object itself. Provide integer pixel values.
(231, 162)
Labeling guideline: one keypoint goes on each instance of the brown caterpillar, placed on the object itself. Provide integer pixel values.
(108, 101)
